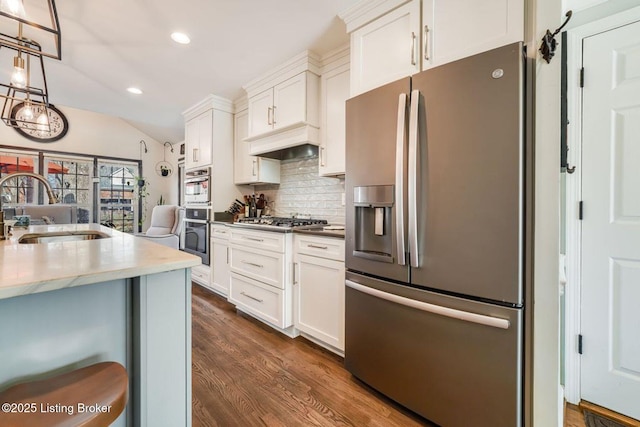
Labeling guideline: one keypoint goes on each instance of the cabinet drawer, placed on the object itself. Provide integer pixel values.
(324, 247)
(272, 241)
(219, 231)
(262, 301)
(265, 266)
(201, 274)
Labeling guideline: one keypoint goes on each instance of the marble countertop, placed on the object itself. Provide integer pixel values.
(40, 267)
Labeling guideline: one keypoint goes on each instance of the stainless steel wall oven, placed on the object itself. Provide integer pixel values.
(196, 233)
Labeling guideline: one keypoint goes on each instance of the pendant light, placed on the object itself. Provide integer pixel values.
(26, 97)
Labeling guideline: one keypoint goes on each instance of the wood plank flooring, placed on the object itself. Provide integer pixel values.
(246, 374)
(573, 416)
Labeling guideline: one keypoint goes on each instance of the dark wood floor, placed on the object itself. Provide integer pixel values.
(246, 374)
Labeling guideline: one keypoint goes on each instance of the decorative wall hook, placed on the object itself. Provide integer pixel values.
(170, 145)
(145, 145)
(548, 46)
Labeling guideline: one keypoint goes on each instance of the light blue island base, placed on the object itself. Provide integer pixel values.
(142, 322)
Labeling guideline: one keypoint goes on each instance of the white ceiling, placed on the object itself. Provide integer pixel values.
(110, 45)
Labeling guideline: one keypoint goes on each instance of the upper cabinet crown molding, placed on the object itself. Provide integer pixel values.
(240, 104)
(210, 102)
(305, 61)
(366, 11)
(335, 58)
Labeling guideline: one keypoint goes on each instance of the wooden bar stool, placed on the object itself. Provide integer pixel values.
(93, 396)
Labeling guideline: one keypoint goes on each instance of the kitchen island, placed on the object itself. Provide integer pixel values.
(68, 304)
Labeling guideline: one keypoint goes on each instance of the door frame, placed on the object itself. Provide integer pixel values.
(575, 37)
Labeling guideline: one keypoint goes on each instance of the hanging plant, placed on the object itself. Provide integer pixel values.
(142, 193)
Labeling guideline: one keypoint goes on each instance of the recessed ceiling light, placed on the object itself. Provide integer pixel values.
(181, 38)
(134, 90)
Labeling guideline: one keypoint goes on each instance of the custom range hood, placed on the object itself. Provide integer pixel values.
(283, 110)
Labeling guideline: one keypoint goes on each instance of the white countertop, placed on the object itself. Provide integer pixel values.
(40, 267)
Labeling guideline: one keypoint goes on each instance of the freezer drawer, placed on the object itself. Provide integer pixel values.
(454, 361)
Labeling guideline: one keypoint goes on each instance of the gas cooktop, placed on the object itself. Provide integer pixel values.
(282, 222)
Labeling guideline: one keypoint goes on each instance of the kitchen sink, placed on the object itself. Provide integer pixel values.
(62, 236)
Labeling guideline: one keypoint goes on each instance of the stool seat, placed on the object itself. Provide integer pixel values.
(93, 396)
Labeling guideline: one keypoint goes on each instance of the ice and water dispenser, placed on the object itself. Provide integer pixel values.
(373, 223)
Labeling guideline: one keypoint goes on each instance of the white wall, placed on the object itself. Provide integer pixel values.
(99, 134)
(547, 407)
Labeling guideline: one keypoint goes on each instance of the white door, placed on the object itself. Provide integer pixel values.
(261, 113)
(610, 301)
(386, 49)
(244, 164)
(290, 101)
(319, 305)
(454, 29)
(220, 266)
(205, 138)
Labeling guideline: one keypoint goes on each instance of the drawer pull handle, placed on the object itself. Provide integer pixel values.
(317, 247)
(250, 263)
(254, 239)
(253, 298)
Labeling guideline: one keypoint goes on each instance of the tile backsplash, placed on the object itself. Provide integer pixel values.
(302, 192)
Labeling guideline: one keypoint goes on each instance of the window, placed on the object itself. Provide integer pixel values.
(71, 181)
(21, 190)
(104, 190)
(118, 198)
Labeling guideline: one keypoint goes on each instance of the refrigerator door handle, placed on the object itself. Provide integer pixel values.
(400, 156)
(466, 316)
(413, 177)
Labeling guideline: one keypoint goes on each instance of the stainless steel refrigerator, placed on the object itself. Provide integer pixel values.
(438, 243)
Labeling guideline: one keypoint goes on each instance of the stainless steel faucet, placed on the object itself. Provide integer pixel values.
(47, 186)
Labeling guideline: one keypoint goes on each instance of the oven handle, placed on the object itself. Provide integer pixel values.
(432, 308)
(197, 221)
(195, 180)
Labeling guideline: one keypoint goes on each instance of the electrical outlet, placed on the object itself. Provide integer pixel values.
(343, 199)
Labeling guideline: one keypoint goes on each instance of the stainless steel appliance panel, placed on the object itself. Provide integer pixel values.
(373, 128)
(195, 238)
(470, 182)
(456, 362)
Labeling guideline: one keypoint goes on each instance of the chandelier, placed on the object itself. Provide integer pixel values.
(27, 35)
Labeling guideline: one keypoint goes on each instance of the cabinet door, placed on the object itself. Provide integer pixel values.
(460, 28)
(290, 101)
(261, 113)
(191, 136)
(220, 266)
(335, 92)
(319, 303)
(244, 165)
(386, 49)
(205, 138)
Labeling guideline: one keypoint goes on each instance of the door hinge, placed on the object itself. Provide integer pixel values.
(580, 344)
(580, 210)
(582, 77)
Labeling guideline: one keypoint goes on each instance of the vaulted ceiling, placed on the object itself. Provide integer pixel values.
(108, 46)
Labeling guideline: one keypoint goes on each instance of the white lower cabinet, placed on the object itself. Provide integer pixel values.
(319, 276)
(220, 271)
(201, 275)
(261, 283)
(254, 297)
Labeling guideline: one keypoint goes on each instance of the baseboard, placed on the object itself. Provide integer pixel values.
(607, 413)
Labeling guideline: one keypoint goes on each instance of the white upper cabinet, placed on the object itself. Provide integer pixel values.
(391, 39)
(251, 169)
(386, 49)
(334, 92)
(261, 107)
(198, 140)
(454, 29)
(284, 106)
